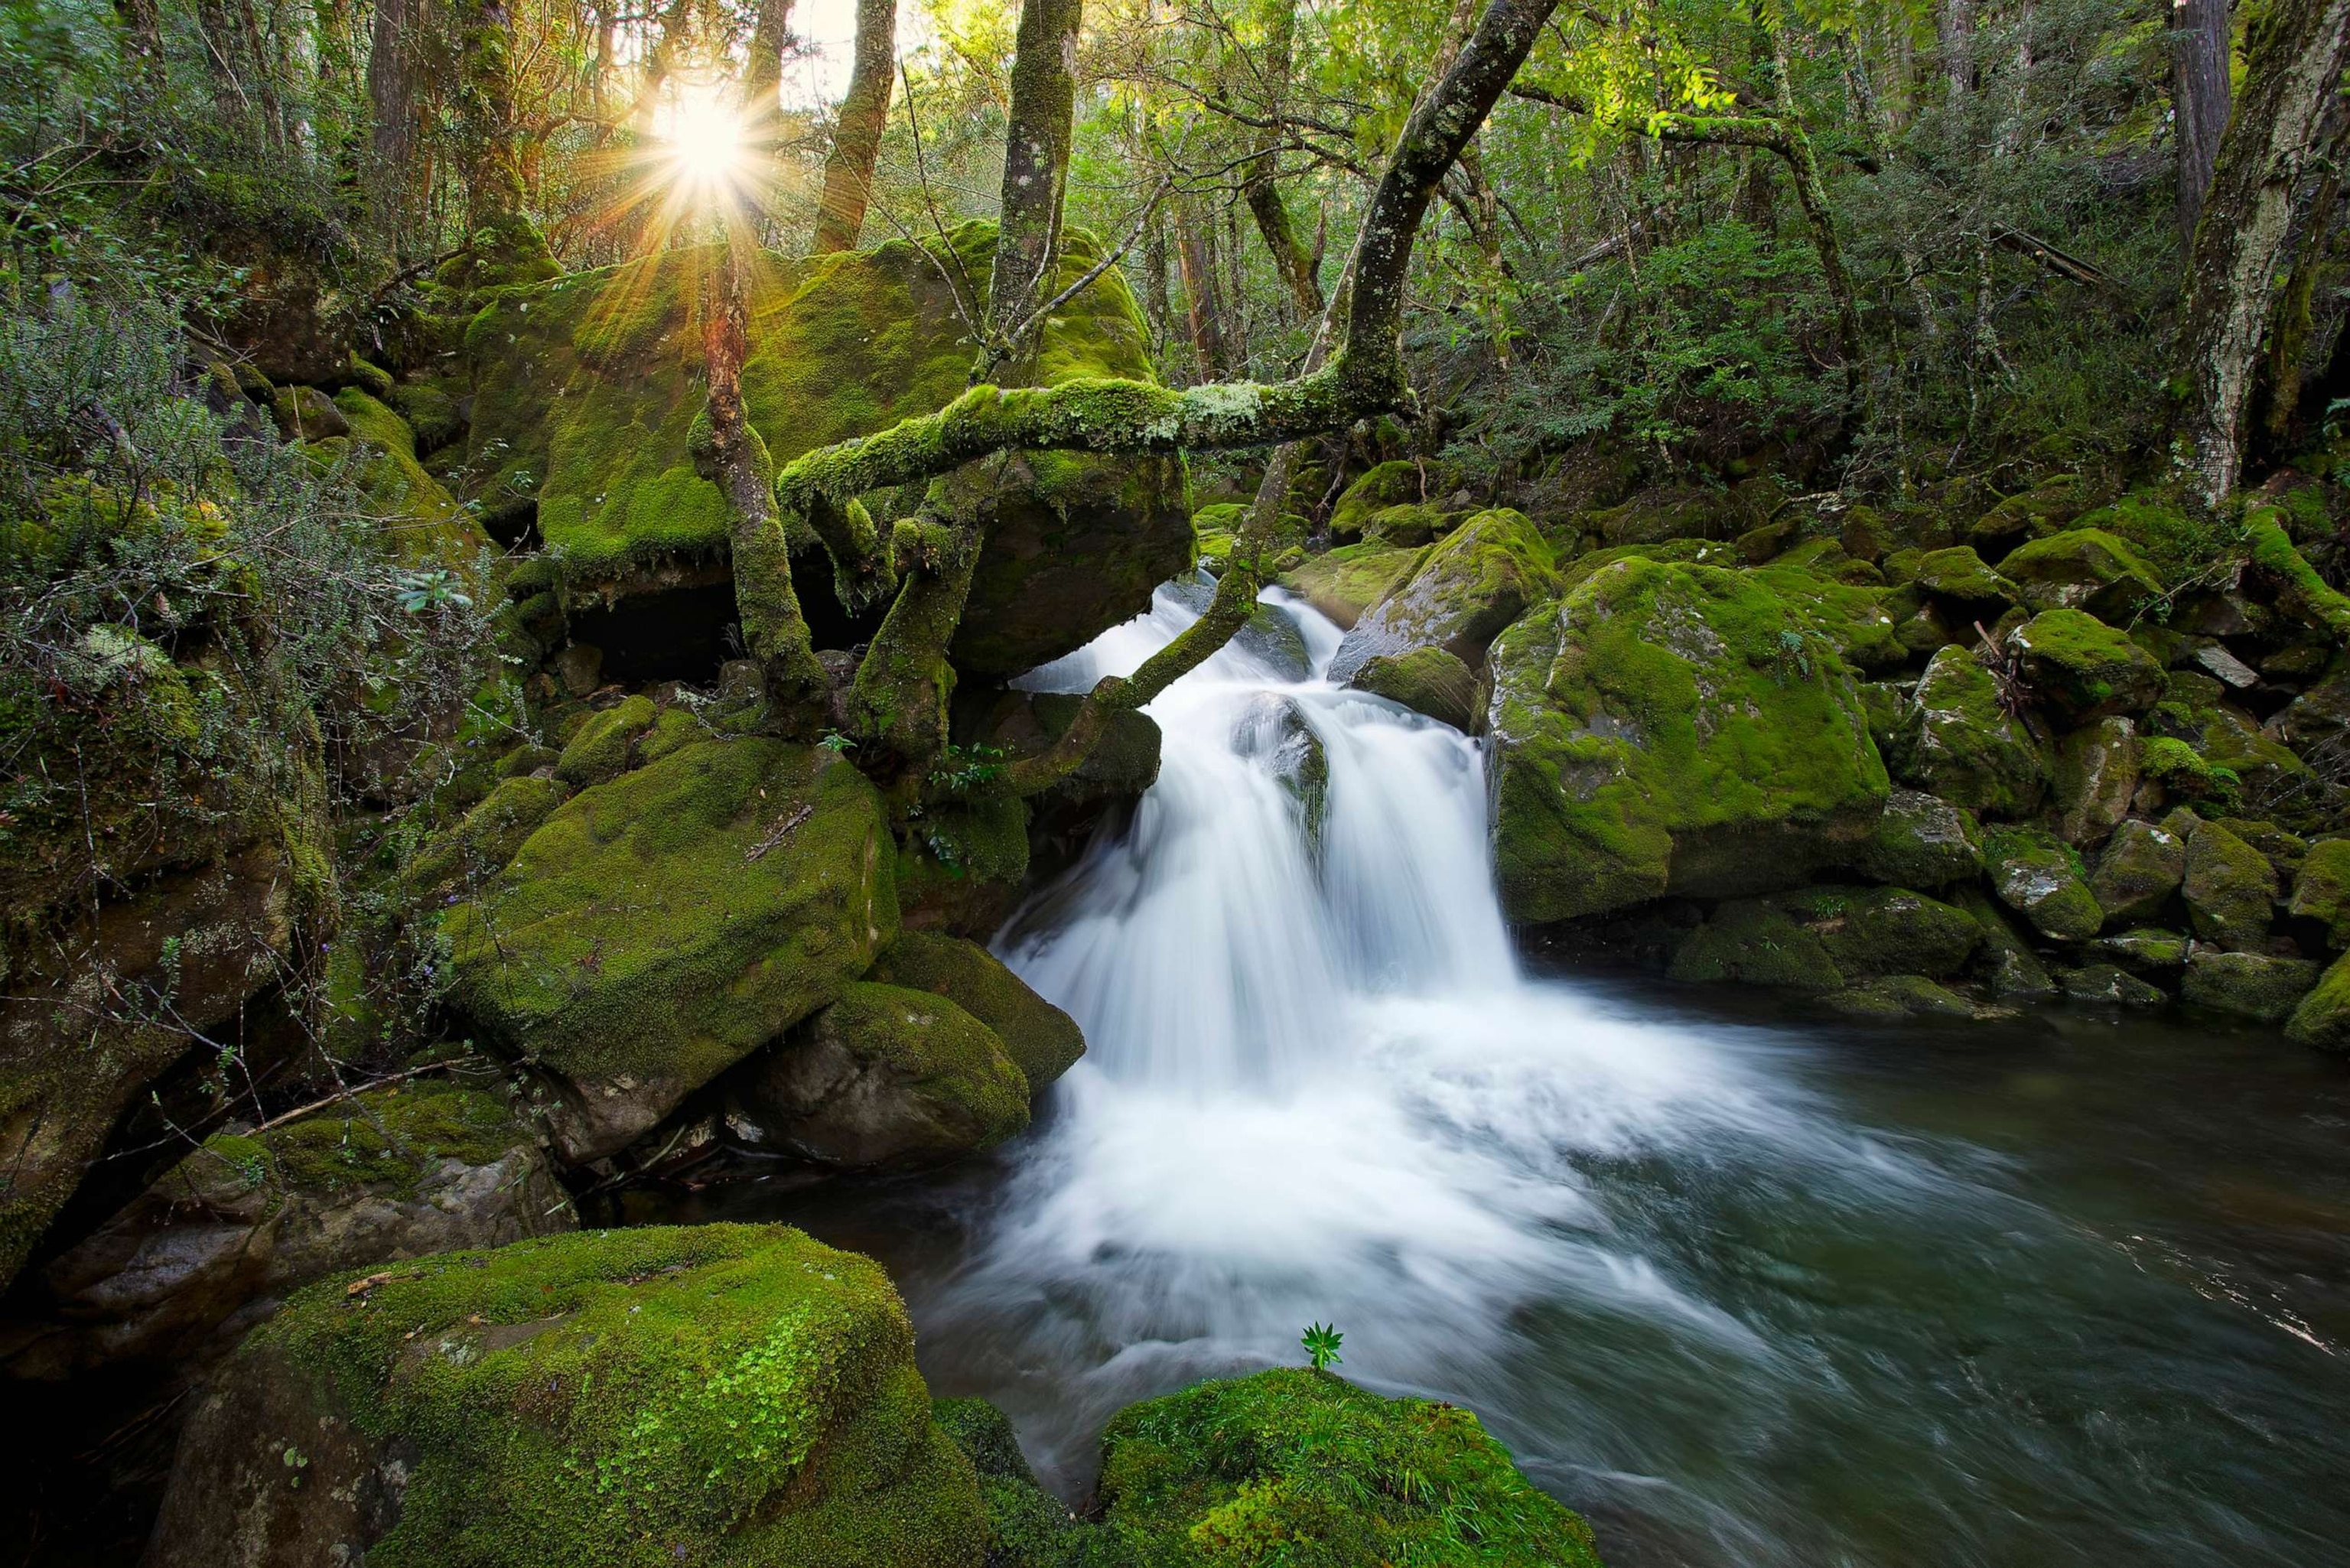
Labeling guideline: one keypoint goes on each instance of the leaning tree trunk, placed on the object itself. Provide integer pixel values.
(857, 135)
(2198, 98)
(2265, 177)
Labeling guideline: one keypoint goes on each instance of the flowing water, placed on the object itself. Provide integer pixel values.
(1745, 1290)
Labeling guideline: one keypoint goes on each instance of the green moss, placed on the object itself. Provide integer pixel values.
(604, 745)
(1758, 942)
(1656, 517)
(1877, 931)
(485, 839)
(2042, 880)
(2084, 568)
(426, 526)
(1898, 996)
(2230, 887)
(1958, 575)
(2323, 1017)
(1430, 681)
(1349, 580)
(1574, 573)
(2172, 541)
(1959, 741)
(2321, 890)
(1921, 841)
(381, 1140)
(1044, 1041)
(1396, 484)
(1459, 596)
(928, 1048)
(1304, 1469)
(2250, 985)
(2083, 669)
(1025, 1527)
(2183, 774)
(2299, 588)
(726, 1393)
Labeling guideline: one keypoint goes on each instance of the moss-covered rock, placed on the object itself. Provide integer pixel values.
(481, 843)
(1672, 512)
(2250, 985)
(427, 527)
(1388, 484)
(1921, 841)
(1408, 526)
(1875, 932)
(2082, 669)
(2141, 868)
(586, 389)
(886, 1076)
(2145, 950)
(2234, 759)
(2085, 569)
(1043, 1040)
(1306, 1469)
(1958, 578)
(1756, 942)
(1349, 580)
(2102, 982)
(1460, 595)
(2041, 879)
(1670, 729)
(1026, 1527)
(306, 413)
(1273, 731)
(1960, 743)
(2005, 963)
(1898, 996)
(658, 929)
(603, 746)
(2230, 887)
(2322, 1017)
(2032, 513)
(1430, 681)
(728, 1394)
(2092, 778)
(391, 1173)
(2321, 892)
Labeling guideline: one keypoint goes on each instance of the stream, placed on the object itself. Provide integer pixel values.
(1744, 1287)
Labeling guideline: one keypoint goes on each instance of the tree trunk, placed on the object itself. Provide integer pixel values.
(856, 134)
(391, 93)
(1273, 224)
(763, 74)
(142, 48)
(1202, 311)
(1035, 173)
(2198, 98)
(660, 61)
(1954, 26)
(2262, 183)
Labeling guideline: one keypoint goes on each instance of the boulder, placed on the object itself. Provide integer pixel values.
(392, 1173)
(658, 929)
(2323, 1019)
(2141, 868)
(2230, 887)
(2032, 513)
(1874, 931)
(1670, 729)
(2321, 892)
(601, 749)
(1432, 681)
(2005, 962)
(1027, 1526)
(1042, 1040)
(1408, 526)
(2103, 982)
(1348, 581)
(1401, 483)
(2092, 778)
(1962, 582)
(886, 1076)
(1674, 512)
(2082, 669)
(1274, 728)
(1757, 942)
(1460, 596)
(2230, 748)
(2040, 878)
(2250, 985)
(306, 413)
(2145, 950)
(1295, 1456)
(731, 1393)
(2084, 569)
(1921, 841)
(1898, 996)
(1959, 743)
(479, 844)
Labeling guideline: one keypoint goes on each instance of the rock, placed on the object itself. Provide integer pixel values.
(1407, 526)
(1121, 766)
(1427, 680)
(578, 667)
(2006, 963)
(712, 1394)
(2323, 1019)
(2250, 985)
(2322, 891)
(1960, 743)
(2224, 667)
(2230, 887)
(2320, 714)
(884, 1077)
(600, 751)
(1657, 516)
(1958, 578)
(306, 413)
(1042, 1040)
(2083, 669)
(1459, 596)
(204, 1252)
(1755, 941)
(1274, 728)
(1292, 1454)
(2233, 753)
(658, 929)
(1396, 484)
(1921, 841)
(2145, 950)
(2103, 982)
(2085, 569)
(2284, 850)
(961, 869)
(1670, 729)
(1348, 581)
(2034, 514)
(484, 839)
(1877, 931)
(1772, 540)
(1026, 1526)
(2142, 867)
(1898, 996)
(2094, 777)
(2040, 878)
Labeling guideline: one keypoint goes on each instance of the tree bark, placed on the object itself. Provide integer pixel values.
(857, 135)
(2265, 177)
(1954, 26)
(1291, 258)
(2198, 100)
(763, 74)
(1035, 174)
(142, 48)
(485, 114)
(1203, 311)
(391, 93)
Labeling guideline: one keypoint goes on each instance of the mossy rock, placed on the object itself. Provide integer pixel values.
(960, 863)
(1040, 1039)
(2034, 514)
(1274, 733)
(2146, 950)
(1655, 517)
(1670, 729)
(658, 929)
(1959, 577)
(1026, 1527)
(1921, 841)
(1349, 580)
(885, 1077)
(2321, 892)
(1427, 680)
(732, 1394)
(2257, 986)
(1460, 596)
(306, 413)
(1408, 526)
(2230, 887)
(1326, 1475)
(1899, 996)
(586, 389)
(2141, 868)
(2171, 540)
(1122, 765)
(2322, 1017)
(1756, 942)
(2005, 964)
(2084, 569)
(481, 843)
(1855, 618)
(432, 412)
(1872, 932)
(1959, 742)
(2093, 779)
(2234, 759)
(427, 527)
(2042, 880)
(1396, 484)
(2102, 983)
(602, 748)
(2182, 775)
(2082, 669)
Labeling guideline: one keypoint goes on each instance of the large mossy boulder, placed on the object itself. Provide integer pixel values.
(2321, 890)
(638, 1398)
(1670, 729)
(2043, 880)
(1427, 680)
(586, 390)
(1958, 741)
(1460, 596)
(658, 929)
(1306, 1469)
(1827, 937)
(2229, 887)
(1921, 841)
(1350, 579)
(2322, 1017)
(1043, 1040)
(2082, 669)
(391, 1173)
(2084, 569)
(2251, 985)
(2094, 778)
(2141, 868)
(1387, 485)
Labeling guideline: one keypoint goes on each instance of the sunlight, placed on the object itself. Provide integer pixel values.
(704, 137)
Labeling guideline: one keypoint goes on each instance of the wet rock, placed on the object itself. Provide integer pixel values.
(884, 1077)
(2146, 950)
(2103, 982)
(1027, 1526)
(1960, 743)
(1349, 580)
(2094, 778)
(1873, 932)
(2082, 669)
(2141, 868)
(2321, 893)
(1427, 680)
(2250, 985)
(1042, 1040)
(2230, 887)
(2322, 1017)
(2005, 962)
(2084, 569)
(1274, 728)
(756, 1390)
(1756, 942)
(1459, 596)
(1899, 996)
(2038, 878)
(1921, 841)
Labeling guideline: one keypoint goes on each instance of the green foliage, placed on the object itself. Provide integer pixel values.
(1321, 1341)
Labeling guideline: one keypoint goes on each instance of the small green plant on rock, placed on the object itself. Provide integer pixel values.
(1321, 1341)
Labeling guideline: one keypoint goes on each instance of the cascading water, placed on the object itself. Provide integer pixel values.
(1665, 1257)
